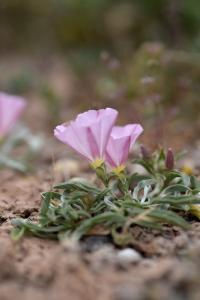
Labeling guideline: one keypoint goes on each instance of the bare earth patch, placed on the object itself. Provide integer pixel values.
(43, 269)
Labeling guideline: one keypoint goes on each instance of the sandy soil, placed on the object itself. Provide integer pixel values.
(43, 269)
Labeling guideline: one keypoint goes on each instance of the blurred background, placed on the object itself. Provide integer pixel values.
(139, 56)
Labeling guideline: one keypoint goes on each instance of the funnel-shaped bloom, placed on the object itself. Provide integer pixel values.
(120, 142)
(11, 108)
(88, 134)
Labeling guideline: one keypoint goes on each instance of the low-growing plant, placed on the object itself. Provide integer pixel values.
(120, 199)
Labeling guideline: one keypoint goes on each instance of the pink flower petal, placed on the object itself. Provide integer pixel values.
(133, 130)
(11, 107)
(120, 142)
(70, 136)
(89, 133)
(118, 150)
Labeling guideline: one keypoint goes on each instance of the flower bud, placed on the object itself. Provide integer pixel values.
(169, 162)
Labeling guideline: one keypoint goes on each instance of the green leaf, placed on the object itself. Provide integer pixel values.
(73, 185)
(12, 164)
(17, 233)
(161, 156)
(172, 200)
(176, 188)
(46, 199)
(169, 217)
(134, 178)
(195, 183)
(171, 176)
(186, 180)
(147, 165)
(104, 218)
(149, 224)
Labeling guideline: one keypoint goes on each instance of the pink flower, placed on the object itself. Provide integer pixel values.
(11, 108)
(89, 133)
(120, 142)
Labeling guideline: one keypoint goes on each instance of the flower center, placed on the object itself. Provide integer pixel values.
(118, 170)
(187, 169)
(97, 163)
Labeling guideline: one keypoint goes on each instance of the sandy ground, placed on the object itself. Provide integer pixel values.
(34, 268)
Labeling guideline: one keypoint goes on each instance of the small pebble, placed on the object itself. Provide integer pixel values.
(128, 256)
(67, 167)
(71, 245)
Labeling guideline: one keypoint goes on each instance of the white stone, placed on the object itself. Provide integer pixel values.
(128, 256)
